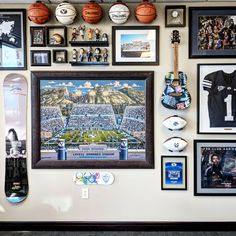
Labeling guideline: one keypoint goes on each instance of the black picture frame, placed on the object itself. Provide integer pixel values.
(13, 43)
(59, 56)
(126, 35)
(40, 57)
(174, 172)
(37, 36)
(140, 159)
(175, 16)
(217, 43)
(56, 36)
(214, 165)
(215, 113)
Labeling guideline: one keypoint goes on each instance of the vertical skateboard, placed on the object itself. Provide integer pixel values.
(15, 104)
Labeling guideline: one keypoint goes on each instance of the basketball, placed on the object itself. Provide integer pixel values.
(65, 13)
(92, 13)
(145, 12)
(38, 13)
(119, 12)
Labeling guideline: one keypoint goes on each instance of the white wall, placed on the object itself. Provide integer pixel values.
(136, 194)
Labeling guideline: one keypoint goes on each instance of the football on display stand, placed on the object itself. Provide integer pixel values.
(65, 13)
(92, 12)
(38, 12)
(119, 12)
(175, 144)
(145, 12)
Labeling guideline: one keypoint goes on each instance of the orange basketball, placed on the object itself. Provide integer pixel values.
(145, 12)
(92, 13)
(38, 13)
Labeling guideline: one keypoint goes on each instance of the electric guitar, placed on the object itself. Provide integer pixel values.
(176, 96)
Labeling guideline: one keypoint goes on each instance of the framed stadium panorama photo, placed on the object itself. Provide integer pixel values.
(212, 32)
(216, 99)
(92, 119)
(214, 167)
(13, 39)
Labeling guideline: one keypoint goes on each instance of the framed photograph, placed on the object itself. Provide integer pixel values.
(56, 36)
(214, 167)
(40, 57)
(175, 16)
(13, 39)
(173, 172)
(216, 102)
(99, 119)
(59, 56)
(135, 45)
(212, 32)
(38, 36)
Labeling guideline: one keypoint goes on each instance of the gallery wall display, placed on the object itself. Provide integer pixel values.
(135, 45)
(215, 99)
(13, 39)
(173, 172)
(212, 32)
(92, 119)
(214, 167)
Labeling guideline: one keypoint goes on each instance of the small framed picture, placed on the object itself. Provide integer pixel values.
(40, 58)
(173, 172)
(216, 99)
(56, 36)
(38, 36)
(175, 16)
(59, 56)
(214, 167)
(135, 45)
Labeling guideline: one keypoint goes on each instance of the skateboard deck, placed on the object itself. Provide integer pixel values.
(93, 178)
(15, 104)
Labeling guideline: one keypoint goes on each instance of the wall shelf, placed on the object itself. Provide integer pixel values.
(89, 43)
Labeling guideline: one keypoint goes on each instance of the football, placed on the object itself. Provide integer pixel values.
(175, 144)
(174, 122)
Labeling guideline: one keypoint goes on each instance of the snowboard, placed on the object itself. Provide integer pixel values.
(15, 104)
(93, 178)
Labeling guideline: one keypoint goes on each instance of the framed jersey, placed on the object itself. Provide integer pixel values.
(216, 99)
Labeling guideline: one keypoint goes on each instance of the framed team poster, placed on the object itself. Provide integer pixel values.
(12, 39)
(214, 167)
(216, 99)
(173, 172)
(100, 119)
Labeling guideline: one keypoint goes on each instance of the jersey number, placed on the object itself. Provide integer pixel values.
(228, 101)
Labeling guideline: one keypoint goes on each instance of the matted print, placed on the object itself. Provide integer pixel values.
(99, 119)
(214, 167)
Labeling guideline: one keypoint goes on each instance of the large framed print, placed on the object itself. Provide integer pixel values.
(173, 172)
(12, 39)
(92, 119)
(214, 167)
(135, 45)
(216, 99)
(212, 32)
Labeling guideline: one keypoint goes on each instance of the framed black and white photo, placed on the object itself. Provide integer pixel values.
(216, 99)
(135, 45)
(212, 32)
(175, 16)
(40, 57)
(173, 172)
(214, 167)
(38, 36)
(13, 39)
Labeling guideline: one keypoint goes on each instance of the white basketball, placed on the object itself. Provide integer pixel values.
(65, 13)
(119, 13)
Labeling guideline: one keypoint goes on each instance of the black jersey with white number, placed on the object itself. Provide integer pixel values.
(221, 98)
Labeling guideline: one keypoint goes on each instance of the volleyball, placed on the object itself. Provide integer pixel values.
(145, 12)
(92, 12)
(38, 13)
(65, 13)
(119, 13)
